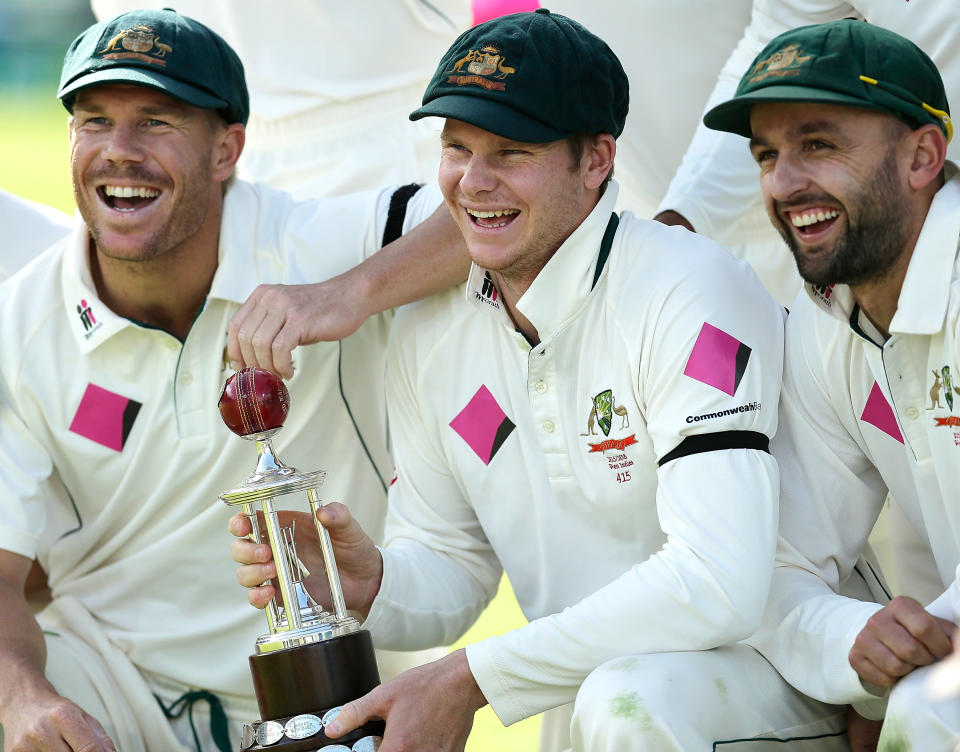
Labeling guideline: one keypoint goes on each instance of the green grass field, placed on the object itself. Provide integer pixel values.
(34, 163)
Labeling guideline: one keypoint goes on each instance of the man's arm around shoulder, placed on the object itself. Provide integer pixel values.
(275, 319)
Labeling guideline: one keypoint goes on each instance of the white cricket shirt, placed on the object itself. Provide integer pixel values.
(544, 461)
(113, 453)
(859, 417)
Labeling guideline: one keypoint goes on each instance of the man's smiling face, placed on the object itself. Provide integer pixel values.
(143, 169)
(832, 187)
(515, 202)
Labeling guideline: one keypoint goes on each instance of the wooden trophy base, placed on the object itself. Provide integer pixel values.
(300, 689)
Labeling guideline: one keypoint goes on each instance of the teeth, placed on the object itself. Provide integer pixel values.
(491, 214)
(812, 217)
(129, 191)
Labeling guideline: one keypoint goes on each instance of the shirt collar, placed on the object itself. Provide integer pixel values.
(562, 285)
(922, 306)
(91, 322)
(235, 277)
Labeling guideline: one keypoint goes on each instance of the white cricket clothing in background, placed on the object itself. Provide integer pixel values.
(331, 85)
(113, 453)
(717, 187)
(861, 416)
(671, 53)
(28, 228)
(544, 461)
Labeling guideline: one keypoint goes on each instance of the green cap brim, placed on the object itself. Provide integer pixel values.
(733, 115)
(141, 77)
(491, 116)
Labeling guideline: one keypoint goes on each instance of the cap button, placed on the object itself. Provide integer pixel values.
(542, 10)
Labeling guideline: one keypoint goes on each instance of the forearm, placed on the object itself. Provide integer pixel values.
(427, 598)
(704, 588)
(805, 618)
(22, 652)
(429, 258)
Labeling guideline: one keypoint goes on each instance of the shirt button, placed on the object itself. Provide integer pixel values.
(913, 413)
(186, 379)
(548, 426)
(541, 387)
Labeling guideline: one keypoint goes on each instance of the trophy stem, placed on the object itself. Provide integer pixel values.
(267, 460)
(329, 560)
(271, 609)
(284, 575)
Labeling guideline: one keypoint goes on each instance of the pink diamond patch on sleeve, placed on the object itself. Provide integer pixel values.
(105, 417)
(483, 425)
(717, 359)
(877, 412)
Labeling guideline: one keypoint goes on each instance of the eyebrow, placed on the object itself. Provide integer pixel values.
(150, 109)
(802, 129)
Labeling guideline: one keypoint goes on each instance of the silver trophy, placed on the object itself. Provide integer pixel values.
(312, 661)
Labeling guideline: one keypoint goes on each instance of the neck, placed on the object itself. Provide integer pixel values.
(166, 291)
(510, 292)
(878, 297)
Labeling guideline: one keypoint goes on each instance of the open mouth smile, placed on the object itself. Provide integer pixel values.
(127, 198)
(814, 221)
(493, 218)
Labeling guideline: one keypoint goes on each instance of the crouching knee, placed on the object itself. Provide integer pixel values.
(630, 703)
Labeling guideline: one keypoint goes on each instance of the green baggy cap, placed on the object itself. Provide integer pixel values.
(842, 62)
(533, 77)
(158, 49)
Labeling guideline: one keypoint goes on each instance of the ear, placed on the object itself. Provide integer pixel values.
(598, 159)
(928, 151)
(228, 145)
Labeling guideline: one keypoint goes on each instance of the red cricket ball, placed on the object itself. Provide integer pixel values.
(254, 400)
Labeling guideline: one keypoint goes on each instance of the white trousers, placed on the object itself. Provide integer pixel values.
(729, 699)
(87, 669)
(916, 722)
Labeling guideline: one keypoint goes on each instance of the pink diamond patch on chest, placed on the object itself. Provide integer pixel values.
(717, 359)
(105, 417)
(877, 412)
(483, 425)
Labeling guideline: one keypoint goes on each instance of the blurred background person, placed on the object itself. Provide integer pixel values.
(28, 228)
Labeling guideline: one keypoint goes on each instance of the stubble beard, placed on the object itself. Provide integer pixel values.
(184, 220)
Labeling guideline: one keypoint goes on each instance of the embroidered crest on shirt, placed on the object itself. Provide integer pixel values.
(140, 43)
(603, 408)
(486, 68)
(105, 417)
(944, 388)
(483, 425)
(878, 413)
(718, 359)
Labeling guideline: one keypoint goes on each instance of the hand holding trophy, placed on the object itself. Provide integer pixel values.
(312, 661)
